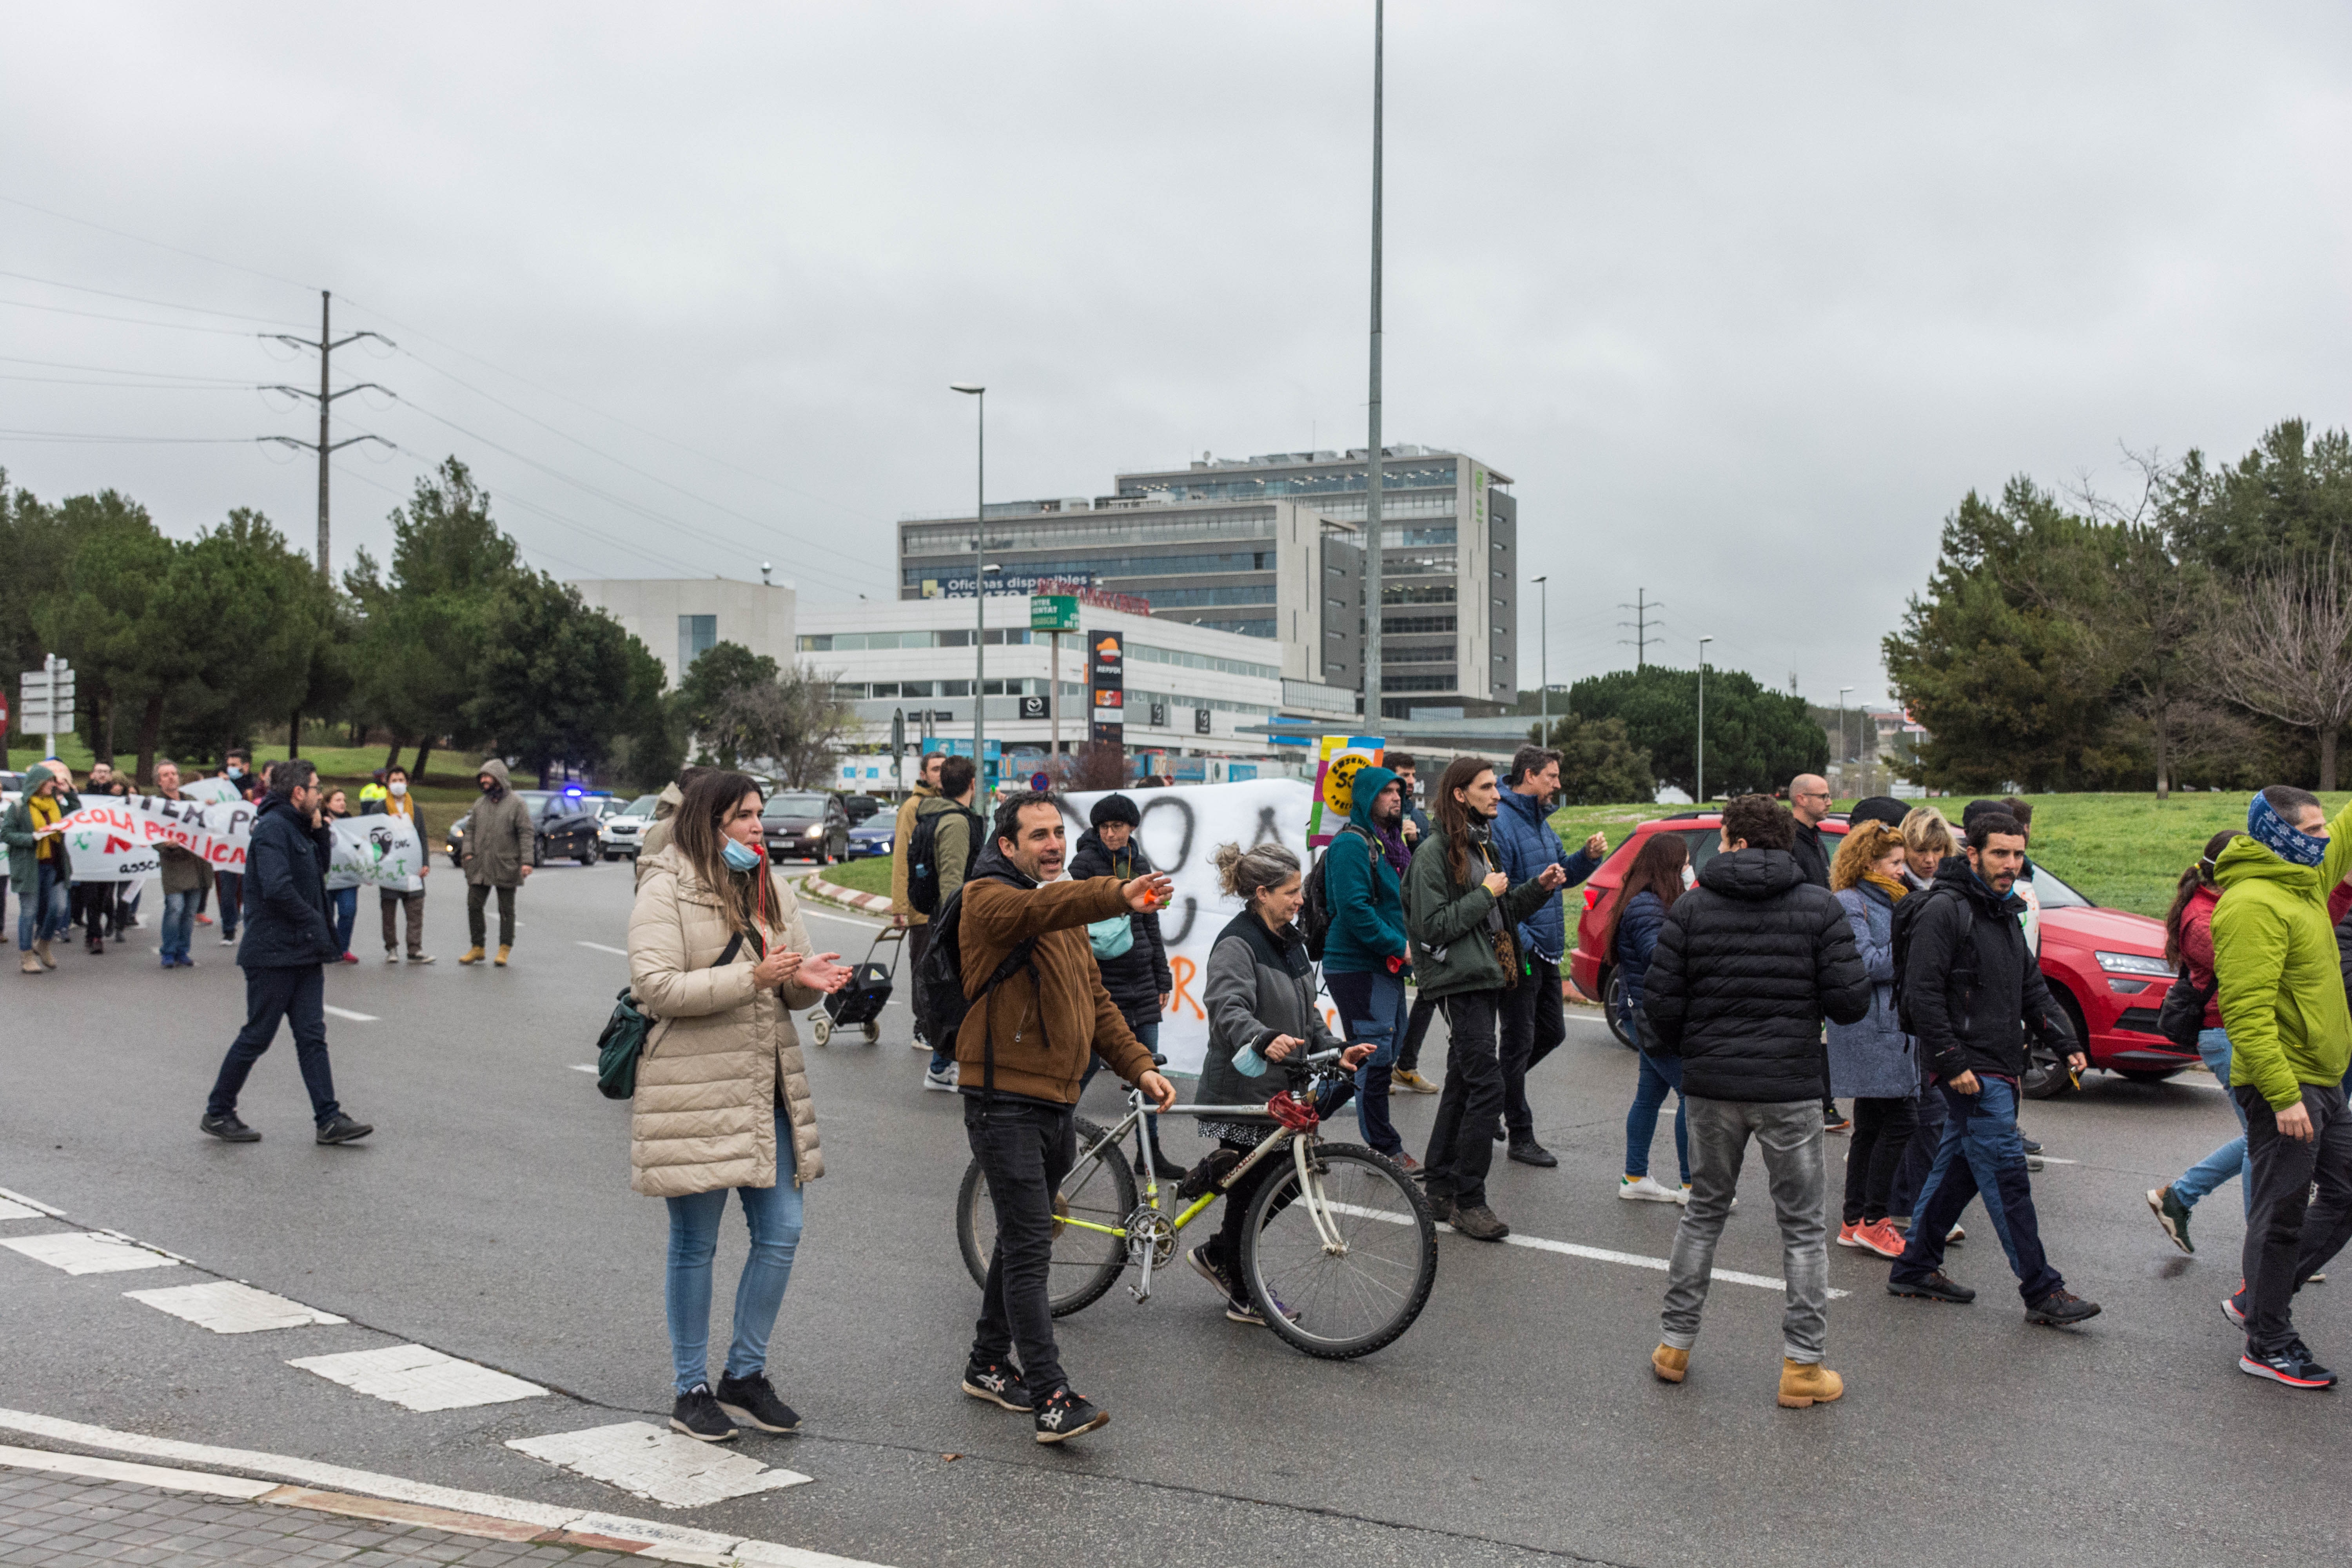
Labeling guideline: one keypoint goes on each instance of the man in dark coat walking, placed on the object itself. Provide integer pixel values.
(288, 941)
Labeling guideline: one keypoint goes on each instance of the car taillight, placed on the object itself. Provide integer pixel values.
(1591, 896)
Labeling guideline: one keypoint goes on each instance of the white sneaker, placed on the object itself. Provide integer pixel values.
(392, 955)
(1642, 1190)
(1682, 1197)
(945, 1082)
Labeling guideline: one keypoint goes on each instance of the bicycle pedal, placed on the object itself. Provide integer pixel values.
(1210, 1172)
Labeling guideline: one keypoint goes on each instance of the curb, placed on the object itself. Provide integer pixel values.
(872, 903)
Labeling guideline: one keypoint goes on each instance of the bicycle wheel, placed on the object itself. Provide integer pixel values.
(1338, 1304)
(1086, 1263)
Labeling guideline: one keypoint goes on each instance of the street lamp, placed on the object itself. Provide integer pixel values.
(1702, 720)
(979, 576)
(1844, 756)
(1543, 658)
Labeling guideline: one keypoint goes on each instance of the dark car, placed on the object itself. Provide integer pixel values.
(564, 826)
(860, 807)
(805, 824)
(2104, 968)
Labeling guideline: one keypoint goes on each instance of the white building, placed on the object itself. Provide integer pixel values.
(681, 618)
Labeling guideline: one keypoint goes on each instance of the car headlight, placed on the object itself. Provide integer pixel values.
(2134, 963)
(816, 830)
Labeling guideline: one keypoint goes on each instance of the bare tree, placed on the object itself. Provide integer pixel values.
(794, 721)
(1097, 764)
(2285, 650)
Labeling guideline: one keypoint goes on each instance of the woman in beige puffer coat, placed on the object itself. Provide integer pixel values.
(723, 1099)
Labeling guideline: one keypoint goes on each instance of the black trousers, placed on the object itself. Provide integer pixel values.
(1024, 1149)
(1461, 1142)
(1533, 1024)
(1882, 1137)
(478, 896)
(1416, 1027)
(2291, 1236)
(1225, 1248)
(297, 996)
(919, 942)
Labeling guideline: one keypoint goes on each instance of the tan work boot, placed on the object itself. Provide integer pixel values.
(1808, 1382)
(1669, 1363)
(41, 952)
(31, 965)
(502, 956)
(471, 955)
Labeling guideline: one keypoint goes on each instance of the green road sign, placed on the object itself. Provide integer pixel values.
(1053, 612)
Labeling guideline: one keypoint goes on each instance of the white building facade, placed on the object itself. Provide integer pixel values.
(680, 618)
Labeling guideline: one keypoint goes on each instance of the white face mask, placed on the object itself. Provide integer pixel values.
(1690, 876)
(398, 786)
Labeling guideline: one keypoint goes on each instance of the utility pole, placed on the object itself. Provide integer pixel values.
(1843, 755)
(978, 579)
(1375, 710)
(326, 345)
(1641, 606)
(1543, 658)
(1702, 721)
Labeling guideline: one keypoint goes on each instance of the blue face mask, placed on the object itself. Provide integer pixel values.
(739, 856)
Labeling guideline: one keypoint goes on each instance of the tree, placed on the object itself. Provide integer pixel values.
(793, 720)
(1757, 740)
(1599, 763)
(2285, 651)
(99, 612)
(699, 704)
(245, 607)
(33, 548)
(557, 683)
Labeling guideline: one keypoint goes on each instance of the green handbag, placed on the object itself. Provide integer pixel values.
(623, 1039)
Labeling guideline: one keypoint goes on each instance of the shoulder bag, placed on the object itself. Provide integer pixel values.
(626, 1033)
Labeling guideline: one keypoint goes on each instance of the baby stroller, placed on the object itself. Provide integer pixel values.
(860, 1002)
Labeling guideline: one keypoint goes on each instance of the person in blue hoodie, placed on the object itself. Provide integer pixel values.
(1364, 959)
(1533, 1022)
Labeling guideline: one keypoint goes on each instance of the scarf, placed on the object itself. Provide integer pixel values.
(1891, 887)
(45, 810)
(2273, 832)
(1391, 843)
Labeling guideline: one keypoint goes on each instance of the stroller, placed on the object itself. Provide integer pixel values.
(860, 1002)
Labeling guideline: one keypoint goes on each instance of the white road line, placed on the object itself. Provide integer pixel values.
(227, 1307)
(600, 947)
(81, 1252)
(347, 1013)
(1596, 1254)
(585, 1067)
(669, 1543)
(32, 1203)
(660, 1466)
(2055, 1160)
(237, 1486)
(417, 1377)
(10, 1210)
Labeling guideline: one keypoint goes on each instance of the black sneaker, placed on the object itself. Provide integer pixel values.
(2031, 1146)
(999, 1384)
(2173, 1216)
(2291, 1363)
(1937, 1286)
(1214, 1272)
(228, 1129)
(2059, 1309)
(697, 1414)
(1064, 1415)
(341, 1129)
(1531, 1152)
(752, 1401)
(2233, 1306)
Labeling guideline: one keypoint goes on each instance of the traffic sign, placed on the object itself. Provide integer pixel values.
(1041, 782)
(1053, 612)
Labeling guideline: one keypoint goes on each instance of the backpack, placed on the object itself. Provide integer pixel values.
(923, 857)
(939, 984)
(1315, 914)
(1907, 915)
(2182, 1018)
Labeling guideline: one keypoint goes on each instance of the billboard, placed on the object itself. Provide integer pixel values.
(1107, 686)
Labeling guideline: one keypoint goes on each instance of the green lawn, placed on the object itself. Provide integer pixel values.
(871, 875)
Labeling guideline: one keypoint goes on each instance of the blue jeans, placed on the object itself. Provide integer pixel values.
(2230, 1159)
(1373, 1010)
(42, 917)
(179, 925)
(1659, 1074)
(774, 1215)
(346, 902)
(1982, 1154)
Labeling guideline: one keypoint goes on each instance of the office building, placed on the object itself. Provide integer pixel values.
(680, 618)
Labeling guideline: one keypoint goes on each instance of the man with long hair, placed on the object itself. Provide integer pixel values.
(1461, 912)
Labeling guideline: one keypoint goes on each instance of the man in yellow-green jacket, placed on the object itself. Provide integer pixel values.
(2283, 1000)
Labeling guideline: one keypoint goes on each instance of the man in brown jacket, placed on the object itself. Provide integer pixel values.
(1021, 1054)
(499, 841)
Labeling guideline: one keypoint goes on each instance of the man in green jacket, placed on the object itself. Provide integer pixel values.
(499, 841)
(2282, 1002)
(1462, 913)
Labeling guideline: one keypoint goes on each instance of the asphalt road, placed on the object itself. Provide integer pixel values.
(1518, 1421)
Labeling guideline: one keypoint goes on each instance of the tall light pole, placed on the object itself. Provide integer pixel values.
(1842, 754)
(1375, 710)
(1702, 720)
(978, 583)
(1543, 658)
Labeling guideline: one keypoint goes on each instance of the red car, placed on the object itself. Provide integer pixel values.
(2105, 967)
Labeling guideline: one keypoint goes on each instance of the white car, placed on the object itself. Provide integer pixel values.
(620, 833)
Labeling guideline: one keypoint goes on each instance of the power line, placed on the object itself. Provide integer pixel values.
(127, 440)
(1641, 606)
(324, 445)
(113, 370)
(142, 239)
(143, 300)
(136, 387)
(133, 321)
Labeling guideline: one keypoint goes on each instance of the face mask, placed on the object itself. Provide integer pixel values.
(739, 856)
(1690, 876)
(235, 771)
(2273, 832)
(398, 787)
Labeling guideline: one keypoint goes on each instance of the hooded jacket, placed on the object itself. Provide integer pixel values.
(499, 833)
(1259, 984)
(1971, 982)
(2197, 949)
(655, 838)
(1526, 843)
(24, 845)
(1453, 942)
(1363, 890)
(1746, 964)
(1137, 978)
(286, 923)
(2282, 993)
(904, 830)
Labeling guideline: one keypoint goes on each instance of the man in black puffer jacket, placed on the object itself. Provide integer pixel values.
(1748, 964)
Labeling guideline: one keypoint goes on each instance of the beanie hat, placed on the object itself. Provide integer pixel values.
(1114, 809)
(1879, 808)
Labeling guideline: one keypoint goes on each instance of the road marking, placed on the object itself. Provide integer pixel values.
(417, 1377)
(80, 1252)
(585, 1067)
(600, 947)
(2055, 1160)
(347, 1013)
(227, 1307)
(660, 1466)
(10, 1210)
(237, 1486)
(33, 1203)
(669, 1543)
(1577, 1249)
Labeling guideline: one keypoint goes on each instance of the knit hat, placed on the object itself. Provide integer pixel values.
(1882, 808)
(1114, 809)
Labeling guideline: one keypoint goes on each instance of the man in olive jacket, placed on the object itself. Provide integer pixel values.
(499, 838)
(1021, 1055)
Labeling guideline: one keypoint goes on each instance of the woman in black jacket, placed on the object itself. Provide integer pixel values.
(1128, 949)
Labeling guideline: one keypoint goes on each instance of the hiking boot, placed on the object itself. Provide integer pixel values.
(31, 965)
(1937, 1286)
(2290, 1364)
(697, 1414)
(752, 1401)
(228, 1129)
(2172, 1214)
(1805, 1383)
(1170, 1171)
(999, 1384)
(1643, 1190)
(1065, 1414)
(501, 959)
(41, 950)
(2059, 1309)
(474, 955)
(1882, 1238)
(1527, 1151)
(1669, 1363)
(341, 1129)
(1478, 1223)
(1410, 1082)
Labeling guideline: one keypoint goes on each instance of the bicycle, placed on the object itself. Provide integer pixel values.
(1338, 1252)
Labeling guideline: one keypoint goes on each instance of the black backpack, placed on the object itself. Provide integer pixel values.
(923, 857)
(1315, 914)
(939, 984)
(2182, 1018)
(1907, 914)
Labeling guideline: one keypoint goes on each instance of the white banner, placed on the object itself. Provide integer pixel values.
(1181, 831)
(383, 851)
(113, 840)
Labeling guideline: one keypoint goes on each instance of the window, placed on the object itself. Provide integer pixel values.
(1401, 625)
(696, 635)
(1500, 546)
(1441, 654)
(1415, 593)
(1151, 655)
(1416, 682)
(1501, 605)
(1264, 628)
(849, 690)
(1502, 577)
(914, 689)
(1185, 598)
(955, 687)
(885, 689)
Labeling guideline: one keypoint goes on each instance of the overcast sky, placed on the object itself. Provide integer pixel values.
(1744, 298)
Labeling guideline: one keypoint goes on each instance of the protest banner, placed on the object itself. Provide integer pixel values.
(383, 851)
(114, 839)
(1338, 757)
